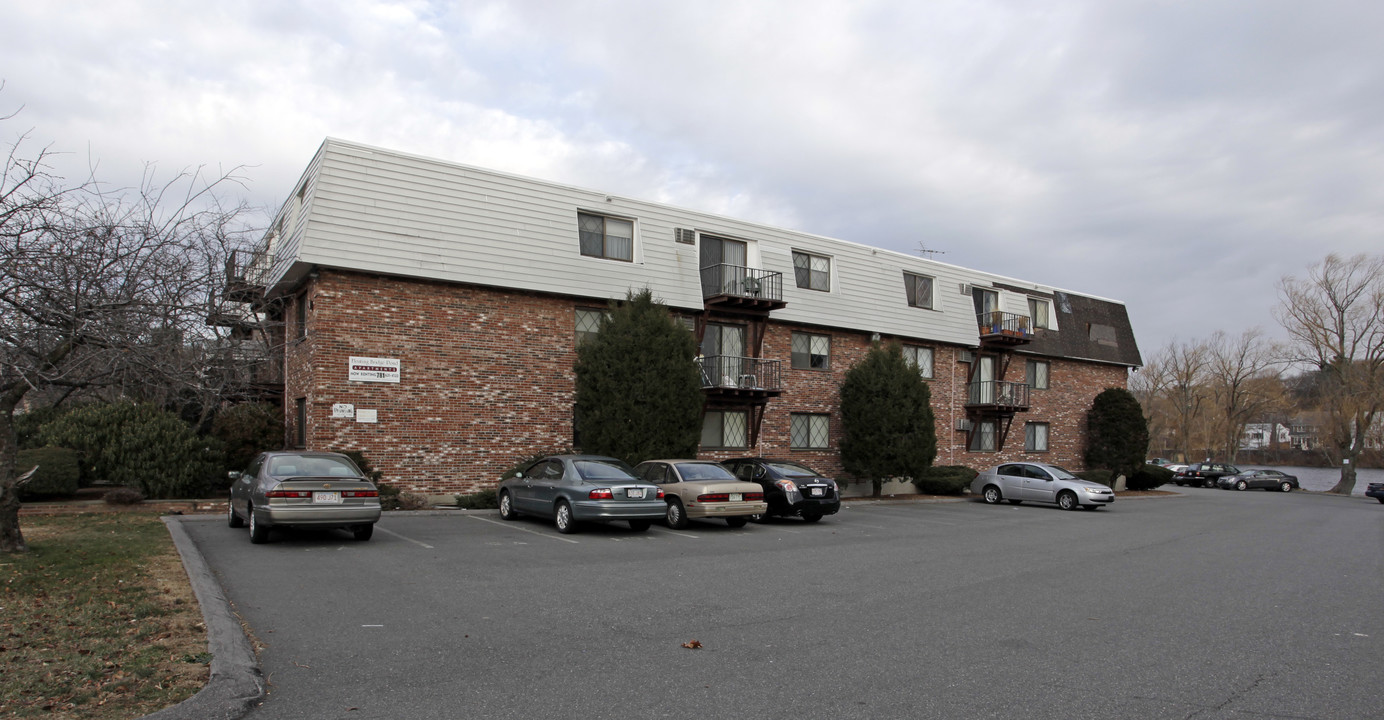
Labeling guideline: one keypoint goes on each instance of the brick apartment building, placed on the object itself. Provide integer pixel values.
(427, 313)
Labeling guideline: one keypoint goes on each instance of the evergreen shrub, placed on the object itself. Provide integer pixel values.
(945, 480)
(886, 417)
(123, 496)
(1149, 477)
(58, 472)
(247, 429)
(483, 500)
(1099, 475)
(1118, 432)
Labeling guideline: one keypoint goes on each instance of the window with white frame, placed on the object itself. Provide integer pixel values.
(919, 357)
(809, 431)
(811, 352)
(919, 289)
(1036, 437)
(725, 429)
(606, 237)
(812, 271)
(1037, 374)
(1038, 312)
(588, 323)
(983, 437)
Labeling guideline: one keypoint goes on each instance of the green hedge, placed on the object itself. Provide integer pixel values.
(1104, 477)
(1150, 477)
(945, 480)
(58, 472)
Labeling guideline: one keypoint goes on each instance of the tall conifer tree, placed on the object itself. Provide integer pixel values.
(886, 413)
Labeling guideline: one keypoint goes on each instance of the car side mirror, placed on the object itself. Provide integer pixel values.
(519, 474)
(233, 475)
(759, 473)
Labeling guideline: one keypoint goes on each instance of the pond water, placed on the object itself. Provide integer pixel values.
(1322, 479)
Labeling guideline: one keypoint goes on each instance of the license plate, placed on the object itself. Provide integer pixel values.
(326, 498)
(815, 492)
(736, 497)
(637, 493)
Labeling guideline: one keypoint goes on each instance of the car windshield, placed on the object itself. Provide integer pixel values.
(792, 469)
(1061, 473)
(703, 471)
(604, 470)
(301, 466)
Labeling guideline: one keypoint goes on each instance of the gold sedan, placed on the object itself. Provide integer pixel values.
(703, 489)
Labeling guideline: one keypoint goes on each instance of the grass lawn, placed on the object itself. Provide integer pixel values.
(97, 620)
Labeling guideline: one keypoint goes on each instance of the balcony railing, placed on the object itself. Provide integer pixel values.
(1003, 327)
(998, 395)
(740, 285)
(246, 274)
(730, 372)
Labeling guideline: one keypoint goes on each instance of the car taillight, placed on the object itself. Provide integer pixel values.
(360, 493)
(288, 494)
(714, 497)
(601, 494)
(660, 494)
(755, 497)
(786, 485)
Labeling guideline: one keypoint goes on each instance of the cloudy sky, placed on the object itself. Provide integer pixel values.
(1178, 156)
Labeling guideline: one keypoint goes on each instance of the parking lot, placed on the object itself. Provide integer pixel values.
(1211, 605)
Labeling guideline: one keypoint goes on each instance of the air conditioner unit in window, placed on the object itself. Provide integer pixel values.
(963, 425)
(686, 236)
(965, 289)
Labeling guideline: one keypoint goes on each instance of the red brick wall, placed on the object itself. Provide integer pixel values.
(487, 379)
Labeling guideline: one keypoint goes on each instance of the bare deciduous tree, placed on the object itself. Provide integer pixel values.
(1186, 368)
(1335, 319)
(1243, 381)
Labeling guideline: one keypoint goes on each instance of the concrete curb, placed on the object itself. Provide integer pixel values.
(235, 684)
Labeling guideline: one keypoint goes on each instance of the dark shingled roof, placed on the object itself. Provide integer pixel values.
(1088, 329)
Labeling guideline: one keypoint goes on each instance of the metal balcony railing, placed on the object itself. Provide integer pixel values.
(732, 372)
(742, 282)
(1003, 325)
(998, 394)
(247, 272)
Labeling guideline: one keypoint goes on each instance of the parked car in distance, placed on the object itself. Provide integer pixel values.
(305, 489)
(1376, 491)
(572, 489)
(1204, 474)
(703, 489)
(791, 489)
(1040, 482)
(1166, 464)
(1265, 479)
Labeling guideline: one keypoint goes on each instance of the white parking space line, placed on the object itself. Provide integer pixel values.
(512, 526)
(675, 532)
(401, 537)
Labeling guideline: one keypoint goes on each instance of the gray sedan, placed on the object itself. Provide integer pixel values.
(574, 488)
(1040, 482)
(302, 489)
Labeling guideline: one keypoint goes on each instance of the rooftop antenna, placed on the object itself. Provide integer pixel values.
(930, 254)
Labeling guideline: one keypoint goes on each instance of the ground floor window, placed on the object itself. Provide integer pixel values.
(300, 430)
(983, 437)
(809, 431)
(725, 429)
(1036, 437)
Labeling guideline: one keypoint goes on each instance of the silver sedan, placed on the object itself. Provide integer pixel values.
(1040, 482)
(574, 488)
(302, 489)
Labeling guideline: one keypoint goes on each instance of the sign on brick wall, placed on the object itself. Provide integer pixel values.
(368, 369)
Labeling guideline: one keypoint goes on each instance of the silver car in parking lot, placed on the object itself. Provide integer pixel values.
(574, 488)
(1040, 482)
(318, 489)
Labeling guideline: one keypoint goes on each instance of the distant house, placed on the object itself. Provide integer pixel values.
(427, 313)
(1260, 436)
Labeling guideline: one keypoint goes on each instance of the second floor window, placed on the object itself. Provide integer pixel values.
(919, 289)
(588, 323)
(1038, 311)
(983, 437)
(809, 431)
(1037, 374)
(812, 271)
(919, 357)
(725, 429)
(606, 237)
(1036, 437)
(811, 352)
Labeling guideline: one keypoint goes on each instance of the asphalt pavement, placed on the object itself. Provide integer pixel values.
(1215, 604)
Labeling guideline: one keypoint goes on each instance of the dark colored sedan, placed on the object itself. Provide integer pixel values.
(1204, 474)
(791, 489)
(575, 488)
(1265, 479)
(315, 489)
(1376, 491)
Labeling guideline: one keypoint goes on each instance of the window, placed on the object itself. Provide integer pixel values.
(919, 289)
(1103, 334)
(1036, 374)
(812, 271)
(301, 415)
(983, 437)
(811, 352)
(808, 431)
(919, 357)
(1038, 312)
(724, 429)
(588, 323)
(605, 237)
(986, 302)
(1036, 437)
(301, 316)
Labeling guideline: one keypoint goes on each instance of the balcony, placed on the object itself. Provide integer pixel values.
(997, 396)
(1002, 328)
(245, 273)
(730, 376)
(736, 287)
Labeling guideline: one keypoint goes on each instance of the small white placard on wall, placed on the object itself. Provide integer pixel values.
(363, 416)
(373, 369)
(343, 410)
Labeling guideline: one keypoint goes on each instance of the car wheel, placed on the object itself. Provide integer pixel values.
(640, 525)
(232, 519)
(1092, 507)
(676, 516)
(507, 507)
(1181, 484)
(992, 494)
(1288, 487)
(1015, 502)
(563, 517)
(363, 532)
(811, 517)
(1067, 500)
(1242, 485)
(259, 533)
(737, 522)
